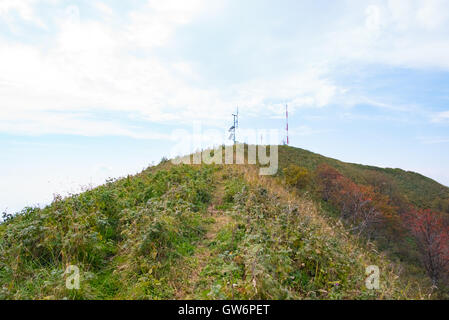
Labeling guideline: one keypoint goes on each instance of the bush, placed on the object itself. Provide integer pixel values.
(296, 176)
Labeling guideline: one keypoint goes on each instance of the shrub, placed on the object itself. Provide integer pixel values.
(296, 176)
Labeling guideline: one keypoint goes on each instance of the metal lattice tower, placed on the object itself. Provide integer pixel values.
(233, 135)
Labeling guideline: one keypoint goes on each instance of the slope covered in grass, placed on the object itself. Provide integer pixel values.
(412, 187)
(182, 232)
(278, 245)
(125, 236)
(381, 205)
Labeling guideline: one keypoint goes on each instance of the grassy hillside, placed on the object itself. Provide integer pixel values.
(203, 232)
(414, 187)
(390, 203)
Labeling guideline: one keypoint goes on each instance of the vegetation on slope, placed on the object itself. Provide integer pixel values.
(378, 208)
(182, 232)
(412, 187)
(280, 247)
(125, 237)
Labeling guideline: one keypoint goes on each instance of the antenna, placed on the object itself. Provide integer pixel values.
(235, 126)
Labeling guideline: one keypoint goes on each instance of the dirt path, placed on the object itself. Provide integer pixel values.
(203, 253)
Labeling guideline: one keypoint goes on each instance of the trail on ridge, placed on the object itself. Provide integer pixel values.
(203, 253)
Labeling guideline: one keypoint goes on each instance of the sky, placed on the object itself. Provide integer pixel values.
(94, 89)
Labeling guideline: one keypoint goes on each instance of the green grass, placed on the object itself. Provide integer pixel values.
(124, 236)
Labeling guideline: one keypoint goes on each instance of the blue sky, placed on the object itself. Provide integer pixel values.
(96, 89)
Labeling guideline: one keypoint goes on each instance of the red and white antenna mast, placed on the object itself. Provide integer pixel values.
(286, 128)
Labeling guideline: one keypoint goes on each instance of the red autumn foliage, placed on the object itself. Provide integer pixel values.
(432, 236)
(370, 210)
(359, 204)
(327, 177)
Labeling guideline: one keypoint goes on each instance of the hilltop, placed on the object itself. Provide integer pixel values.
(208, 232)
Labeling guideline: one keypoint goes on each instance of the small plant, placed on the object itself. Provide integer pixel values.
(233, 187)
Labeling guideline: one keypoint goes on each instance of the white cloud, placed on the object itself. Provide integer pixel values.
(441, 117)
(155, 24)
(373, 20)
(310, 88)
(433, 140)
(401, 33)
(103, 8)
(88, 67)
(92, 65)
(433, 14)
(401, 13)
(23, 9)
(45, 122)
